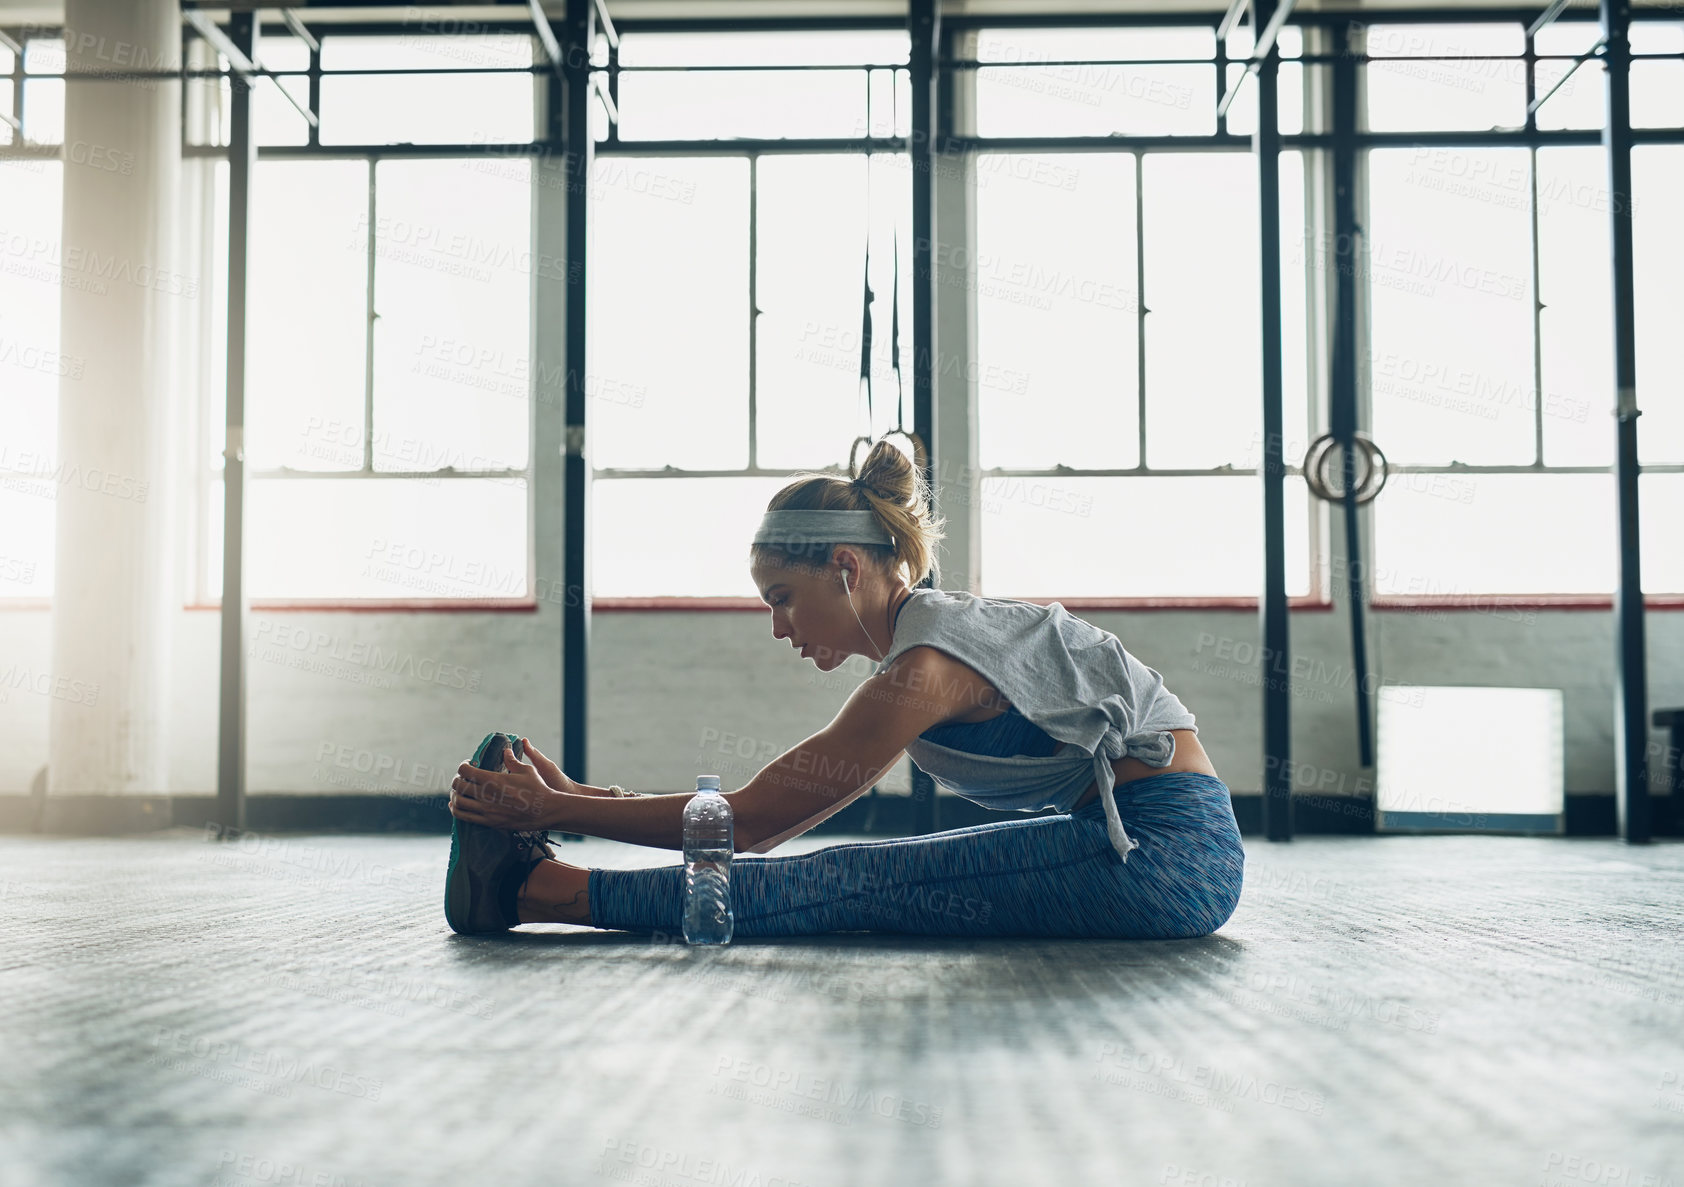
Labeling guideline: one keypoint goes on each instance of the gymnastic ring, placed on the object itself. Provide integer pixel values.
(1375, 469)
(1321, 451)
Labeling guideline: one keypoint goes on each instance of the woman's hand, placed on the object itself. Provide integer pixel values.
(547, 770)
(556, 779)
(515, 800)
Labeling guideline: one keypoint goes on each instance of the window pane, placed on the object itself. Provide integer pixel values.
(43, 55)
(669, 315)
(1201, 281)
(1449, 275)
(711, 105)
(43, 110)
(722, 104)
(43, 99)
(1024, 97)
(786, 48)
(1575, 286)
(1450, 534)
(691, 535)
(1048, 537)
(422, 108)
(1029, 47)
(378, 538)
(1454, 535)
(452, 278)
(1658, 194)
(810, 259)
(307, 315)
(280, 51)
(1657, 94)
(32, 369)
(1445, 94)
(1056, 310)
(1656, 37)
(1657, 88)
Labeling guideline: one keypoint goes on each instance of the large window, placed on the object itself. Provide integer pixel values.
(746, 347)
(387, 399)
(1119, 322)
(1491, 331)
(728, 291)
(388, 403)
(1107, 326)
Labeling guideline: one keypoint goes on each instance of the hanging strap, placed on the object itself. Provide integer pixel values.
(865, 312)
(865, 318)
(894, 340)
(894, 294)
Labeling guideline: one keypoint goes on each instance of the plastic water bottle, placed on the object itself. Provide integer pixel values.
(708, 845)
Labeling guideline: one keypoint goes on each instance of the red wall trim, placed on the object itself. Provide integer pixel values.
(1396, 603)
(375, 606)
(1476, 603)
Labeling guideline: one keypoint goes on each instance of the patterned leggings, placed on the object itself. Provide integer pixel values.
(1052, 875)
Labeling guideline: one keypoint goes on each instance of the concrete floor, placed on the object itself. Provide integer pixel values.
(1482, 1010)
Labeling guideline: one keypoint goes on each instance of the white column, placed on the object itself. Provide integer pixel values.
(123, 290)
(959, 487)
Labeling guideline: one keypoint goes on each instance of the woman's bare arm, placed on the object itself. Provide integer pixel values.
(807, 783)
(812, 780)
(801, 787)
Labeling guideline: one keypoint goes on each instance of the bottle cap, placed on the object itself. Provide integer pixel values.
(703, 782)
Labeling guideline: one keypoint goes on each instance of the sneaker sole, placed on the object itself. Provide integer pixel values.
(488, 757)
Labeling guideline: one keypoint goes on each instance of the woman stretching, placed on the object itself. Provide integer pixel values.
(1007, 703)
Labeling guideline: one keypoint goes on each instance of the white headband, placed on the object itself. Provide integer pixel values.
(822, 527)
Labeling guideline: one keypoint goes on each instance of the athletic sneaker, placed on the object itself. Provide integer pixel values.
(487, 865)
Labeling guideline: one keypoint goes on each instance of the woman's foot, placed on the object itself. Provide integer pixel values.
(487, 865)
(483, 879)
(555, 892)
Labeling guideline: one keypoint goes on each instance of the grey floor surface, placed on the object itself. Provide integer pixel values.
(292, 1010)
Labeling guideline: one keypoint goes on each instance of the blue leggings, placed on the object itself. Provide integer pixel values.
(1053, 875)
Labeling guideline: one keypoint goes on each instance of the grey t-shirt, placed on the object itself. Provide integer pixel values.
(1073, 679)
